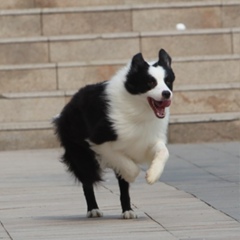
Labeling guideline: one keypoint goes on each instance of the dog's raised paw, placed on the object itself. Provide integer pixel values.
(152, 176)
(94, 213)
(129, 215)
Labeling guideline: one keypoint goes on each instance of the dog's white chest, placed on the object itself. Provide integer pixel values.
(135, 142)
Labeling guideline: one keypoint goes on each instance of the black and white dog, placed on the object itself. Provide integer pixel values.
(119, 124)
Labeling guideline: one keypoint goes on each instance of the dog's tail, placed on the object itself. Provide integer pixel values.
(80, 159)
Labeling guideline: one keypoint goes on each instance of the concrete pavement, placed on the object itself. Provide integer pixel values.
(197, 198)
(210, 171)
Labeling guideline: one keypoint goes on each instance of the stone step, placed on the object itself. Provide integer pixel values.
(189, 99)
(98, 47)
(88, 20)
(27, 135)
(214, 127)
(73, 75)
(25, 4)
(36, 106)
(206, 99)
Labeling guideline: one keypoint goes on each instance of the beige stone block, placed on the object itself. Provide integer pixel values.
(231, 16)
(13, 4)
(202, 72)
(81, 3)
(30, 109)
(70, 78)
(20, 25)
(66, 23)
(112, 21)
(164, 1)
(28, 139)
(206, 101)
(167, 18)
(75, 3)
(204, 132)
(23, 52)
(27, 80)
(87, 22)
(187, 44)
(236, 43)
(94, 49)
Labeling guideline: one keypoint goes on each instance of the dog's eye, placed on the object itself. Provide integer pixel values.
(152, 83)
(168, 82)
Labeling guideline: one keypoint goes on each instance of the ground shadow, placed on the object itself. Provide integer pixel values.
(79, 218)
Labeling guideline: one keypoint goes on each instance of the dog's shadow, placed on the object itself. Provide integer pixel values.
(83, 218)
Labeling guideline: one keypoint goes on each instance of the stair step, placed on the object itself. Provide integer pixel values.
(196, 128)
(174, 119)
(24, 4)
(177, 88)
(73, 75)
(95, 19)
(208, 98)
(28, 135)
(22, 107)
(182, 129)
(12, 126)
(195, 99)
(23, 78)
(204, 117)
(103, 46)
(17, 4)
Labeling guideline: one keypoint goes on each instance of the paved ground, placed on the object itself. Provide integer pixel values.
(197, 198)
(211, 172)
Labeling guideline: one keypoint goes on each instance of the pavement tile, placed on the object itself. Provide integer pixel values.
(39, 200)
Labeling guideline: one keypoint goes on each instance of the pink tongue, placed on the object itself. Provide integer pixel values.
(160, 111)
(160, 107)
(165, 104)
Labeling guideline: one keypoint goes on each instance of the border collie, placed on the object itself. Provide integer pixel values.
(119, 124)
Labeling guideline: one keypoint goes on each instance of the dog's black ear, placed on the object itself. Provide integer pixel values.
(164, 59)
(138, 61)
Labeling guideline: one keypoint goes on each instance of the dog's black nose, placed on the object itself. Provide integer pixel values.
(166, 94)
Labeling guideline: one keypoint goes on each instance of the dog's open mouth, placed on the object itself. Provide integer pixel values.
(159, 106)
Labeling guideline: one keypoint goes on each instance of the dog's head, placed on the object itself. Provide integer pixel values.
(154, 81)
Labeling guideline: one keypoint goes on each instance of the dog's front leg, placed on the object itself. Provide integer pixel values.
(127, 212)
(119, 162)
(155, 170)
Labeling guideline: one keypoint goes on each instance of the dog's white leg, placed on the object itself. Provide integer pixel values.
(124, 166)
(155, 170)
(120, 163)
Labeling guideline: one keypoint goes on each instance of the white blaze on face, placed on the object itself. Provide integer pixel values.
(158, 73)
(155, 97)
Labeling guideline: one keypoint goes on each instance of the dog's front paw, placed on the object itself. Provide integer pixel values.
(94, 213)
(152, 176)
(129, 215)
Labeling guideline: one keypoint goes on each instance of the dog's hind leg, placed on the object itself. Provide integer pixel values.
(92, 207)
(127, 212)
(81, 161)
